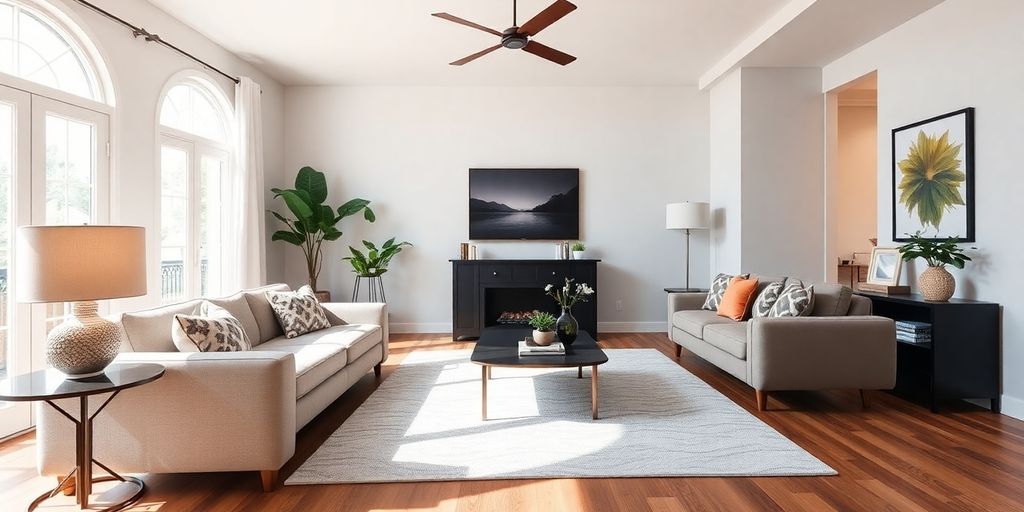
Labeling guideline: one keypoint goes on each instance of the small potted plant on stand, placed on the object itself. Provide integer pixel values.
(936, 283)
(372, 265)
(579, 251)
(567, 296)
(543, 324)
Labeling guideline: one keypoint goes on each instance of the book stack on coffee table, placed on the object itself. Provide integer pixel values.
(528, 348)
(913, 332)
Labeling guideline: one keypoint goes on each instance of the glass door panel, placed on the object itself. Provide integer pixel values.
(15, 154)
(212, 172)
(174, 220)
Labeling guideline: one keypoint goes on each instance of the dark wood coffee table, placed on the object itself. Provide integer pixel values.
(499, 346)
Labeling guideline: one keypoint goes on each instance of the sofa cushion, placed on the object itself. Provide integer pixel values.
(314, 362)
(298, 312)
(263, 313)
(736, 301)
(766, 299)
(239, 308)
(149, 330)
(357, 339)
(693, 321)
(718, 286)
(831, 300)
(730, 338)
(210, 328)
(795, 300)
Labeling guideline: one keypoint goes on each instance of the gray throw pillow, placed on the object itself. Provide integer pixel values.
(767, 298)
(795, 300)
(717, 291)
(210, 328)
(298, 312)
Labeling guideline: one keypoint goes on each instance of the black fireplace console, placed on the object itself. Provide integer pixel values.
(496, 293)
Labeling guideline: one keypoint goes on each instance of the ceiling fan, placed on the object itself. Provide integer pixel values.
(520, 38)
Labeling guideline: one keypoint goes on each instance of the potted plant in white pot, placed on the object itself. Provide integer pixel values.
(314, 221)
(579, 251)
(936, 283)
(543, 324)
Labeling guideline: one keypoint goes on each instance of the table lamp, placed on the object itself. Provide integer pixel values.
(688, 216)
(81, 264)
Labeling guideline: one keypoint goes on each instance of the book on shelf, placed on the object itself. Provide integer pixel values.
(914, 339)
(912, 326)
(528, 348)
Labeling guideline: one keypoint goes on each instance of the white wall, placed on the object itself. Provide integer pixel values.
(726, 170)
(767, 183)
(408, 149)
(961, 53)
(853, 201)
(139, 71)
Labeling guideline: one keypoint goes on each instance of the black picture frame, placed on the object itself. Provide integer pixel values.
(524, 203)
(900, 233)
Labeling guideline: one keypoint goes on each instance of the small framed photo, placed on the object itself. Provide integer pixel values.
(885, 267)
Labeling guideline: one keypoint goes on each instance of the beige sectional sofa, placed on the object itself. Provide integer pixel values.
(840, 345)
(222, 411)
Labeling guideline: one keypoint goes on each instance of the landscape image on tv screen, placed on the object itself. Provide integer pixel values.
(524, 204)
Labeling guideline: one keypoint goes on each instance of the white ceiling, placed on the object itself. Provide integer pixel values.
(397, 42)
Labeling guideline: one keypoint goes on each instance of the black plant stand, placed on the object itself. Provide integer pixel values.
(374, 289)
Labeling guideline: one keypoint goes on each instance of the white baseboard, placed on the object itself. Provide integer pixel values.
(631, 326)
(1013, 407)
(421, 327)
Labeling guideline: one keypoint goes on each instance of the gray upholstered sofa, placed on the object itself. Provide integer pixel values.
(840, 345)
(222, 411)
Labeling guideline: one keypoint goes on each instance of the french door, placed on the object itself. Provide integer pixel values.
(54, 169)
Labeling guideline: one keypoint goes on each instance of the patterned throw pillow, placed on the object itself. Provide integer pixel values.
(795, 300)
(768, 297)
(298, 312)
(717, 291)
(210, 328)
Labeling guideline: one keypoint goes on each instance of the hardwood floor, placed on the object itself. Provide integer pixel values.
(894, 456)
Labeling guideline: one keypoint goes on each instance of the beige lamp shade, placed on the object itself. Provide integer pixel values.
(80, 263)
(687, 215)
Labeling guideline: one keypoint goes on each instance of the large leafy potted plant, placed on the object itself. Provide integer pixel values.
(313, 221)
(936, 283)
(374, 263)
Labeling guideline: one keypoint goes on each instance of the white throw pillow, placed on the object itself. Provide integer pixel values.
(298, 312)
(795, 300)
(210, 328)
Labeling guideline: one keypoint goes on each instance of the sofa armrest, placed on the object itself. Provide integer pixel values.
(822, 353)
(374, 313)
(223, 411)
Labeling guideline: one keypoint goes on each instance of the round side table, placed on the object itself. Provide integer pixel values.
(50, 385)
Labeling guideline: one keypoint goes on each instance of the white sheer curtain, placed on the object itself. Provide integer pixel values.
(249, 260)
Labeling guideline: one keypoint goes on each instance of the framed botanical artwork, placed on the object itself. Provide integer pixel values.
(933, 178)
(886, 264)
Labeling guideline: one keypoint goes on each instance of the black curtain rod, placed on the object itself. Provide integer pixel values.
(153, 38)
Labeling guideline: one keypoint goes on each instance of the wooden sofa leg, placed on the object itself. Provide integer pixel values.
(269, 479)
(762, 399)
(865, 398)
(377, 370)
(679, 351)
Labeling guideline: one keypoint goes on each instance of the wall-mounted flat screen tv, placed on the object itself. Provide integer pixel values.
(524, 204)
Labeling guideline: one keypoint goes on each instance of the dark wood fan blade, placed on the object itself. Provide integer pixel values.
(548, 53)
(553, 13)
(475, 56)
(460, 21)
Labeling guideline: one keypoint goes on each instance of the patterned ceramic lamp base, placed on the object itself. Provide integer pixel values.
(84, 344)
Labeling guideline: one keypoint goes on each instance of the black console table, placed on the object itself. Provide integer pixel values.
(962, 360)
(484, 289)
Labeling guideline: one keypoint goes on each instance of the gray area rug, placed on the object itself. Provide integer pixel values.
(657, 419)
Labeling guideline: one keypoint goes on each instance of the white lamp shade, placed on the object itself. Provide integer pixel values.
(687, 216)
(80, 263)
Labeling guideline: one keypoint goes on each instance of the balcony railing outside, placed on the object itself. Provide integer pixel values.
(172, 279)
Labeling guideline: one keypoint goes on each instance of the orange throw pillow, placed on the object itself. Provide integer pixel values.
(737, 297)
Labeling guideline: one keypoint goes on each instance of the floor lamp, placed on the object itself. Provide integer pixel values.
(688, 216)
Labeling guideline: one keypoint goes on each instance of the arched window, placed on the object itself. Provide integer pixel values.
(195, 130)
(34, 46)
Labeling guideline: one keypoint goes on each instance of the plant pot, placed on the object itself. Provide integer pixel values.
(323, 296)
(567, 328)
(937, 284)
(543, 338)
(579, 255)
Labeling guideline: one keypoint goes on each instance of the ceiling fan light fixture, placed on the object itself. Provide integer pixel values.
(512, 39)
